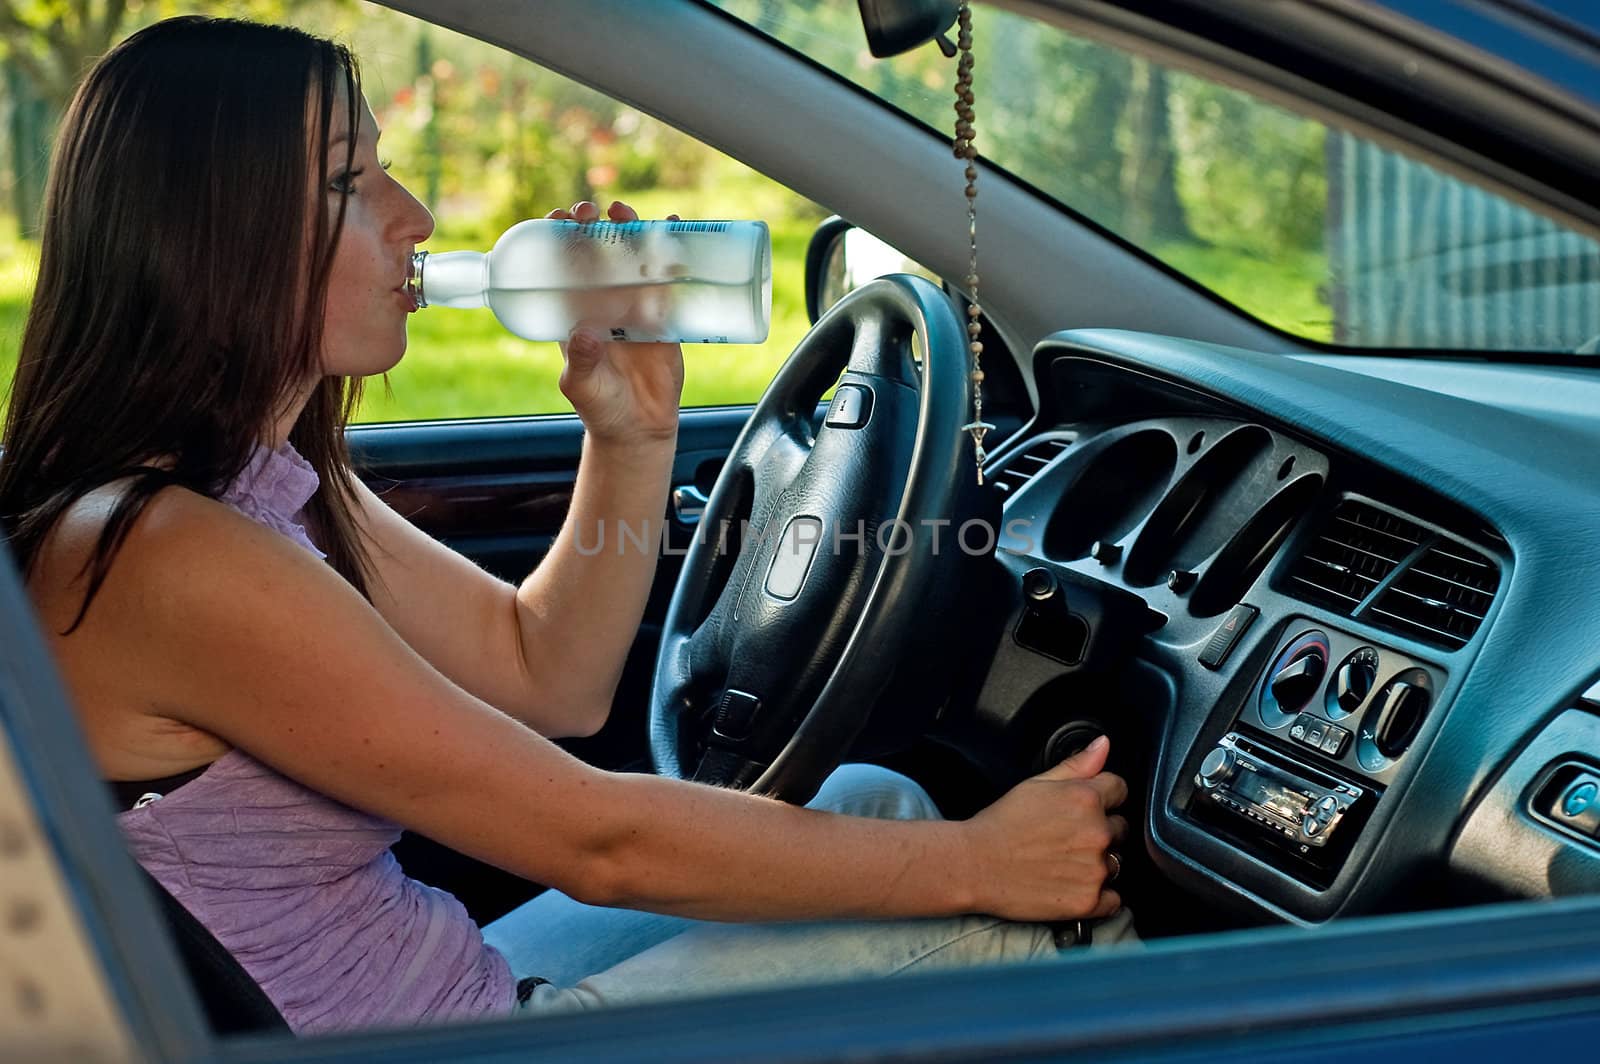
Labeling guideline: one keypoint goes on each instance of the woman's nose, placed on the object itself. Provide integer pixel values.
(412, 222)
(420, 221)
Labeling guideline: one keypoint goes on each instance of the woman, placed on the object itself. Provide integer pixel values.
(287, 672)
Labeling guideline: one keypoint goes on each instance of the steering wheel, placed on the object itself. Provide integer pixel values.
(818, 554)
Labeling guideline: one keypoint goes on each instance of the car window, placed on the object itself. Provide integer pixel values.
(485, 139)
(1311, 229)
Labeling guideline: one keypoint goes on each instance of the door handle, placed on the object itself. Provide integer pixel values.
(688, 503)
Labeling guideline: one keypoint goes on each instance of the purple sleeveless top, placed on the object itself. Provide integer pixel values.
(302, 890)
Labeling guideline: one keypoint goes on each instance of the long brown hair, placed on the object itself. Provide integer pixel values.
(176, 304)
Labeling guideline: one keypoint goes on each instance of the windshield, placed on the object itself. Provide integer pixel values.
(1311, 229)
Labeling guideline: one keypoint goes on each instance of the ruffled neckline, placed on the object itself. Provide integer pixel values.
(273, 489)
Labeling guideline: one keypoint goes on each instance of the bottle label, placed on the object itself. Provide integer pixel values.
(621, 336)
(610, 234)
(614, 233)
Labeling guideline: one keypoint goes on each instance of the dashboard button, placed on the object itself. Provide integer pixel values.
(1311, 826)
(1227, 634)
(1219, 764)
(793, 561)
(1333, 742)
(1298, 732)
(1315, 734)
(850, 407)
(1578, 805)
(1579, 798)
(736, 712)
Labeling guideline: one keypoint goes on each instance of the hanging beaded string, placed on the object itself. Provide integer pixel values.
(965, 150)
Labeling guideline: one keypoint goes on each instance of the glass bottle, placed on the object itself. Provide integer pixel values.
(704, 282)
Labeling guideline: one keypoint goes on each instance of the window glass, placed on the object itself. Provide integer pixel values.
(1311, 229)
(485, 139)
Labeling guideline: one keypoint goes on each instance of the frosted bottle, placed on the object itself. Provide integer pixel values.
(705, 282)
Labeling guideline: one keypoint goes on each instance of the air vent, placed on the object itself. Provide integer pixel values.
(1355, 551)
(1442, 597)
(1026, 465)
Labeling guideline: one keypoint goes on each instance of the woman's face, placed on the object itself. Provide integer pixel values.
(364, 323)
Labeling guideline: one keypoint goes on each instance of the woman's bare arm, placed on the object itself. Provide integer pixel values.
(226, 627)
(551, 651)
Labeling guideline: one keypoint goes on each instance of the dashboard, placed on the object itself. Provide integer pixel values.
(1356, 613)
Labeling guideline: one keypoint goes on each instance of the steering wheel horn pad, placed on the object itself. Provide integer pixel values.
(774, 686)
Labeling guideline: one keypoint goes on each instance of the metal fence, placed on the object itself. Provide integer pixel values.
(1420, 259)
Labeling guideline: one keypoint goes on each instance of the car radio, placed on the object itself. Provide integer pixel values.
(1295, 806)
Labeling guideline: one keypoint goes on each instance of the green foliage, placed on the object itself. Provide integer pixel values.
(19, 263)
(1285, 290)
(1251, 176)
(487, 139)
(1221, 185)
(54, 41)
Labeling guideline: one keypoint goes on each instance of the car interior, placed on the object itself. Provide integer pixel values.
(1329, 603)
(1333, 600)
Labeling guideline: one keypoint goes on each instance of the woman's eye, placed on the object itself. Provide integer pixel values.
(345, 183)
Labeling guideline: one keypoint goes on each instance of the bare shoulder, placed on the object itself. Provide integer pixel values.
(177, 570)
(173, 525)
(212, 628)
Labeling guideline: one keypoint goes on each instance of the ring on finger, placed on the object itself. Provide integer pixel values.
(1113, 866)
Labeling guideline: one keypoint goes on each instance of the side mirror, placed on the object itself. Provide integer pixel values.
(842, 258)
(825, 266)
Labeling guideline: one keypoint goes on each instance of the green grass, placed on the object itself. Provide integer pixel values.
(1285, 291)
(19, 263)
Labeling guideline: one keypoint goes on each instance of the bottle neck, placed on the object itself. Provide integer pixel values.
(449, 279)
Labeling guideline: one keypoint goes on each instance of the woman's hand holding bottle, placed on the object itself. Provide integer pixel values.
(623, 392)
(1040, 852)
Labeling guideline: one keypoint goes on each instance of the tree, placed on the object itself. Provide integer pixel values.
(28, 125)
(51, 42)
(1149, 173)
(1090, 133)
(48, 45)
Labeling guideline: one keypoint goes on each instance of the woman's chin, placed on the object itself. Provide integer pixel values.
(374, 364)
(395, 361)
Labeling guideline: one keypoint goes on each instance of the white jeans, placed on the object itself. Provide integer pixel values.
(595, 957)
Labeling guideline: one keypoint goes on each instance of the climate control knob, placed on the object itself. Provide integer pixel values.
(1218, 766)
(1294, 678)
(1295, 683)
(1401, 707)
(1354, 680)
